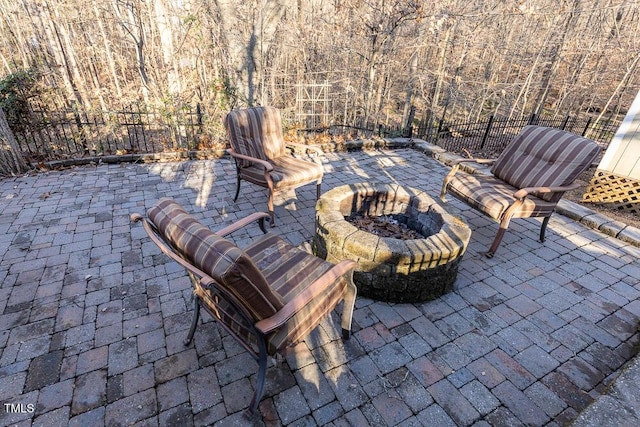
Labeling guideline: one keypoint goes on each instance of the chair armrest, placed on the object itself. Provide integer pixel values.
(305, 147)
(480, 161)
(455, 166)
(523, 192)
(316, 288)
(257, 216)
(266, 165)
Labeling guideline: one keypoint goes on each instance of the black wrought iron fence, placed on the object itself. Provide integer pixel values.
(493, 135)
(50, 135)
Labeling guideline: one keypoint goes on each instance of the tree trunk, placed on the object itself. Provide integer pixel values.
(165, 32)
(56, 39)
(14, 33)
(410, 88)
(11, 161)
(108, 51)
(131, 21)
(250, 30)
(442, 62)
(630, 71)
(551, 67)
(526, 85)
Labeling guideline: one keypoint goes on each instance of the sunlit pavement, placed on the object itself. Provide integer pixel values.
(93, 315)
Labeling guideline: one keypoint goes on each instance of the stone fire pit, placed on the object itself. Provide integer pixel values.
(391, 269)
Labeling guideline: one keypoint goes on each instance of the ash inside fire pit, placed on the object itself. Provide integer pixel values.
(394, 226)
(406, 245)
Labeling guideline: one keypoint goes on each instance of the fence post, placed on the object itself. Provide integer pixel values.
(76, 116)
(532, 119)
(440, 123)
(586, 128)
(199, 116)
(142, 125)
(408, 130)
(428, 125)
(486, 132)
(564, 124)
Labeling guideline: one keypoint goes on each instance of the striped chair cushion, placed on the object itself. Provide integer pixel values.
(287, 172)
(544, 157)
(493, 196)
(256, 132)
(219, 258)
(289, 271)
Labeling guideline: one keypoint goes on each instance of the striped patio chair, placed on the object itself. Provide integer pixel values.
(261, 155)
(528, 179)
(268, 296)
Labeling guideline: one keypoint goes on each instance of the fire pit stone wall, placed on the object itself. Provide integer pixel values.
(391, 269)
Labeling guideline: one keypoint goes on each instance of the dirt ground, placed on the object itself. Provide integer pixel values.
(612, 212)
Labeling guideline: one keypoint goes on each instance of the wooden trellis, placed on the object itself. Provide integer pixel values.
(312, 104)
(617, 178)
(613, 190)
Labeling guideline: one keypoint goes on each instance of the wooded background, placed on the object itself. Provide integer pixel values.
(371, 60)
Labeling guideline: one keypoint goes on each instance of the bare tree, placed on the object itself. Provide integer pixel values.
(381, 57)
(129, 16)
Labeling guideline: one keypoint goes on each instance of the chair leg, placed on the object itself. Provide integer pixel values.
(496, 243)
(504, 224)
(270, 207)
(446, 181)
(262, 374)
(237, 186)
(349, 303)
(194, 320)
(443, 191)
(318, 190)
(543, 229)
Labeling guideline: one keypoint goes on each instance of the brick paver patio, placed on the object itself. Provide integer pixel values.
(92, 316)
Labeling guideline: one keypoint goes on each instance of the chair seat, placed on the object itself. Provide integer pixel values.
(492, 196)
(287, 172)
(289, 271)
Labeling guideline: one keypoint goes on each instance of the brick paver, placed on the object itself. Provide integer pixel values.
(92, 315)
